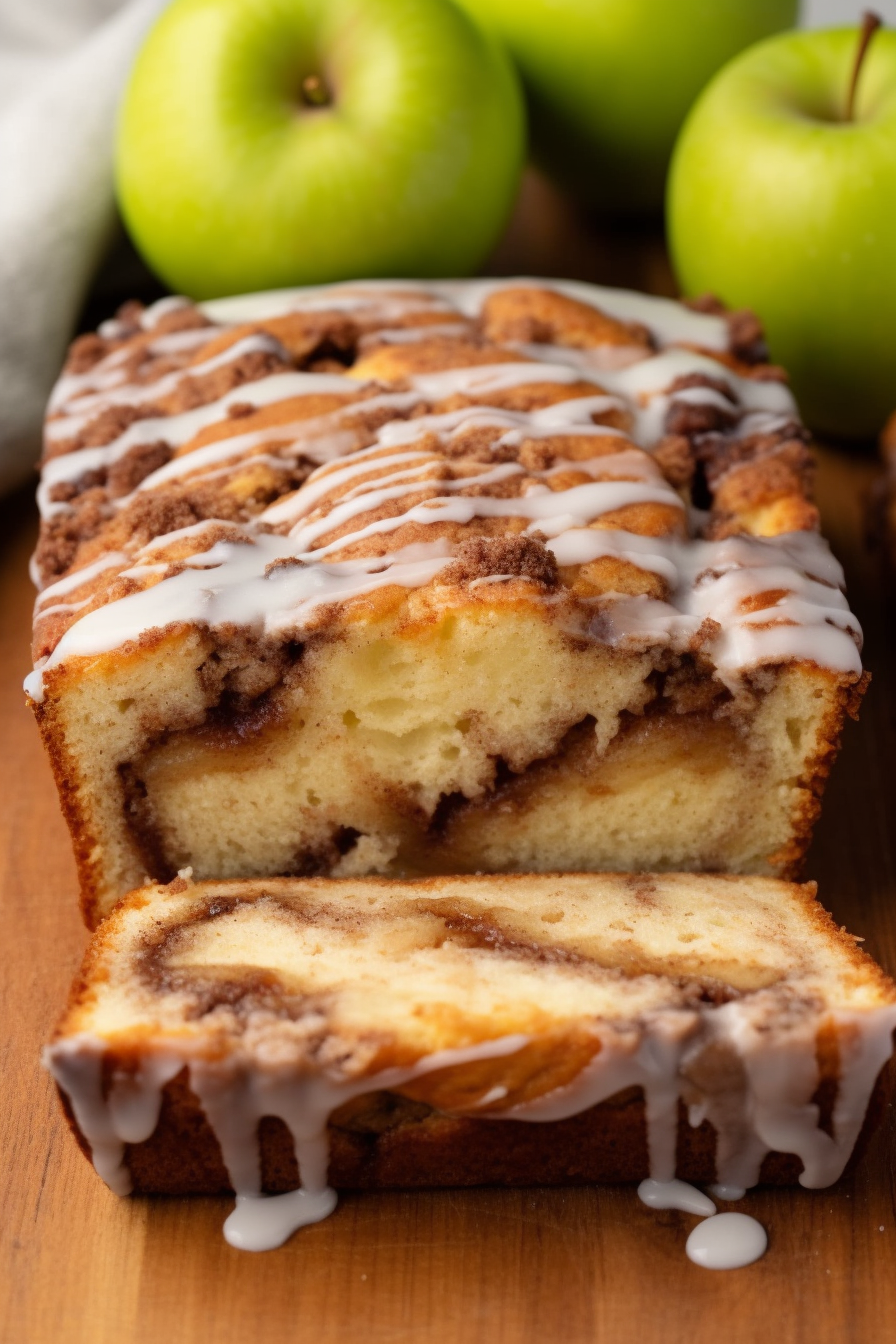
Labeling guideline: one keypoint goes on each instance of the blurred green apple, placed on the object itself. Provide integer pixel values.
(266, 143)
(609, 82)
(780, 202)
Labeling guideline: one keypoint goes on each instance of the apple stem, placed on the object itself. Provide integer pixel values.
(314, 91)
(870, 24)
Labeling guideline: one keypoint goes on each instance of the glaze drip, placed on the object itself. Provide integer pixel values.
(233, 582)
(727, 1241)
(773, 1111)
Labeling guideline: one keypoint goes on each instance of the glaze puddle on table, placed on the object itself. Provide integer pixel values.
(721, 1240)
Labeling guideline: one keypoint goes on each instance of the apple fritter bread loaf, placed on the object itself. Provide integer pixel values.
(369, 1033)
(412, 579)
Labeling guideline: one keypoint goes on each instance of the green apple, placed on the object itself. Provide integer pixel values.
(609, 82)
(780, 202)
(266, 143)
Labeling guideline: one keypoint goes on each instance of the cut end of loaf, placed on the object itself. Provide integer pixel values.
(431, 1011)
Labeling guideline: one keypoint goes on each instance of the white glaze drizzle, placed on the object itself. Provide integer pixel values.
(114, 328)
(72, 416)
(727, 1241)
(69, 582)
(235, 1097)
(228, 583)
(176, 430)
(111, 370)
(716, 580)
(380, 301)
(577, 506)
(668, 320)
(675, 1195)
(126, 1112)
(645, 1057)
(781, 1079)
(642, 387)
(774, 1108)
(264, 1222)
(412, 335)
(728, 1194)
(152, 316)
(321, 439)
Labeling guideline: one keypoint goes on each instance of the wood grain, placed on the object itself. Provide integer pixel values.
(79, 1266)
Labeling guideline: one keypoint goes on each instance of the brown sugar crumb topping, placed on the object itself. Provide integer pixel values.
(284, 562)
(675, 459)
(522, 557)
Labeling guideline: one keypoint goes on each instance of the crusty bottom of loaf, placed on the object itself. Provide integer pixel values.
(384, 1141)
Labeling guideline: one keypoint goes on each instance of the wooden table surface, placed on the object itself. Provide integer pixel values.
(531, 1266)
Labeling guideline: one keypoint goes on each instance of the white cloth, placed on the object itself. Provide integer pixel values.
(63, 65)
(843, 13)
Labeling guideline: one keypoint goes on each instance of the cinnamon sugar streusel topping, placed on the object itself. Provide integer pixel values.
(265, 460)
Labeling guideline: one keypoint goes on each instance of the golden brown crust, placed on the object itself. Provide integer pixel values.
(77, 818)
(527, 314)
(845, 703)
